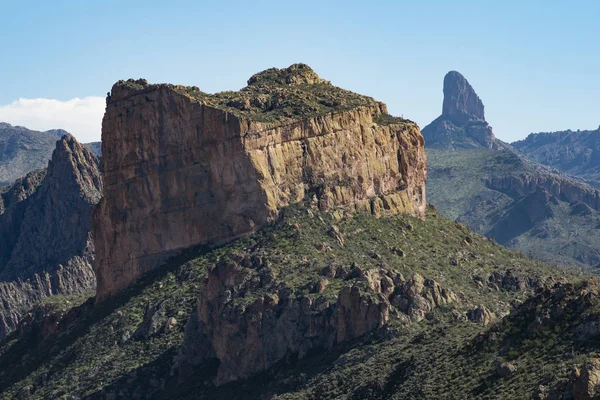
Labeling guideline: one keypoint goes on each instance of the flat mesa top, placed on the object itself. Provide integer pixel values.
(275, 95)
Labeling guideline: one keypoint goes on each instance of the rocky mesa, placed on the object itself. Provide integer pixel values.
(183, 168)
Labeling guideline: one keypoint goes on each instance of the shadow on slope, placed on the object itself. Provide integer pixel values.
(26, 351)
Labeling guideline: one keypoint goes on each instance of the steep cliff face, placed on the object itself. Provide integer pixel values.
(183, 168)
(462, 124)
(13, 204)
(45, 240)
(461, 103)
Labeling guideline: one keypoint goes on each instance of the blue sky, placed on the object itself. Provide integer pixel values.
(535, 64)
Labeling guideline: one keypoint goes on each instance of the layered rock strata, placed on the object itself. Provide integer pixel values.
(560, 187)
(183, 168)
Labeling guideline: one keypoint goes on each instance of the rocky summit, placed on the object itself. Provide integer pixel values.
(461, 103)
(462, 124)
(183, 168)
(45, 243)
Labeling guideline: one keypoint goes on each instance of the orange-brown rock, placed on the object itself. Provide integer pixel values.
(183, 168)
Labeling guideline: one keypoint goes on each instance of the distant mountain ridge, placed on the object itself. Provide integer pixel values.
(576, 153)
(94, 147)
(501, 193)
(23, 150)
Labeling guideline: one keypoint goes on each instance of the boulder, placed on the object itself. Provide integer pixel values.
(480, 314)
(587, 385)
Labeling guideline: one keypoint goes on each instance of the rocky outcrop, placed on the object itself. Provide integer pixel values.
(461, 103)
(462, 124)
(45, 241)
(480, 315)
(48, 320)
(587, 383)
(505, 369)
(508, 280)
(183, 168)
(249, 320)
(583, 383)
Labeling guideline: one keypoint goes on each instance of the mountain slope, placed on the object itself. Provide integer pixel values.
(503, 196)
(23, 150)
(575, 153)
(275, 243)
(126, 347)
(45, 247)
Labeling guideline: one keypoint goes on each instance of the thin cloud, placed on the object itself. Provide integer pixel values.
(80, 117)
